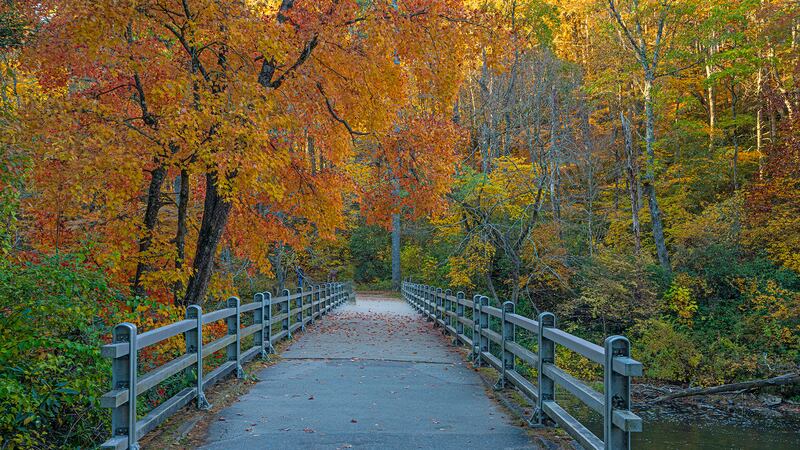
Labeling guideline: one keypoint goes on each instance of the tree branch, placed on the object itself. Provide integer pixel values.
(336, 116)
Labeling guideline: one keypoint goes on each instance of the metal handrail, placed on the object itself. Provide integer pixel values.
(291, 311)
(449, 312)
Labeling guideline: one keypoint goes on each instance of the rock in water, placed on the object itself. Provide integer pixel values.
(770, 400)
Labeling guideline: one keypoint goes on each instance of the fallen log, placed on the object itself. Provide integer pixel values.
(782, 380)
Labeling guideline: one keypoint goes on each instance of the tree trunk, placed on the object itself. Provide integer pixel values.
(632, 172)
(590, 187)
(649, 178)
(555, 202)
(396, 274)
(157, 177)
(735, 138)
(759, 119)
(216, 210)
(181, 230)
(277, 266)
(312, 155)
(782, 380)
(515, 280)
(711, 103)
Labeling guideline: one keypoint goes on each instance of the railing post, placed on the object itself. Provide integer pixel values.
(476, 329)
(318, 299)
(446, 317)
(508, 331)
(194, 344)
(234, 329)
(299, 304)
(327, 297)
(323, 292)
(437, 295)
(617, 393)
(547, 355)
(434, 306)
(427, 299)
(286, 308)
(335, 295)
(459, 316)
(483, 325)
(308, 303)
(267, 317)
(258, 317)
(123, 376)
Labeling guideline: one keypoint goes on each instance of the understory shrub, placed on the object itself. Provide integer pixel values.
(51, 371)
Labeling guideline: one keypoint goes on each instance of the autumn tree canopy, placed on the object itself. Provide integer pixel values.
(170, 127)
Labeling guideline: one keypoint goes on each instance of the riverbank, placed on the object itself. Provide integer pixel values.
(735, 408)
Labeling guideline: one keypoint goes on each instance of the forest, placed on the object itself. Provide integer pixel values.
(632, 166)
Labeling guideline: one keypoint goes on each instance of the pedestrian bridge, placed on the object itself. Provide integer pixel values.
(367, 371)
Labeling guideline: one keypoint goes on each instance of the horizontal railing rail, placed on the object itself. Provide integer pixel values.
(456, 314)
(273, 319)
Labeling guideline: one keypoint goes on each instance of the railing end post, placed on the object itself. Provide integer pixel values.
(616, 393)
(123, 376)
(547, 355)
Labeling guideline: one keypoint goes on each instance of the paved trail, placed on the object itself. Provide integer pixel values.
(370, 375)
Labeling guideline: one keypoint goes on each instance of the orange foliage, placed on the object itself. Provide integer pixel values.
(283, 104)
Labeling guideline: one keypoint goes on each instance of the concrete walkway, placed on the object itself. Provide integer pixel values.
(371, 375)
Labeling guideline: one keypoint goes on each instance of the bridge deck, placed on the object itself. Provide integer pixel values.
(372, 375)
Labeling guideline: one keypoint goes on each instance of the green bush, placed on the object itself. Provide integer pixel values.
(666, 352)
(51, 371)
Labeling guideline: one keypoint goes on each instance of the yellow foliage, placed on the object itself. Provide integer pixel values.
(509, 190)
(472, 263)
(681, 300)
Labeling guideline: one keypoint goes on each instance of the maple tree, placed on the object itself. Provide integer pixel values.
(251, 111)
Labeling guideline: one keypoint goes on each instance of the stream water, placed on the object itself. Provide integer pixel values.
(667, 430)
(677, 435)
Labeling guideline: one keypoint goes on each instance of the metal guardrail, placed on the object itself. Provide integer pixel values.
(273, 319)
(450, 312)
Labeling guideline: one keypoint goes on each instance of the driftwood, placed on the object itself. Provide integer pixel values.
(788, 378)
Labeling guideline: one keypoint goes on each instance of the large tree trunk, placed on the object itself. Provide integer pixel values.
(181, 230)
(216, 210)
(650, 176)
(157, 177)
(396, 273)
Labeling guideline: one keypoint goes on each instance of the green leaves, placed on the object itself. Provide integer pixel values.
(51, 372)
